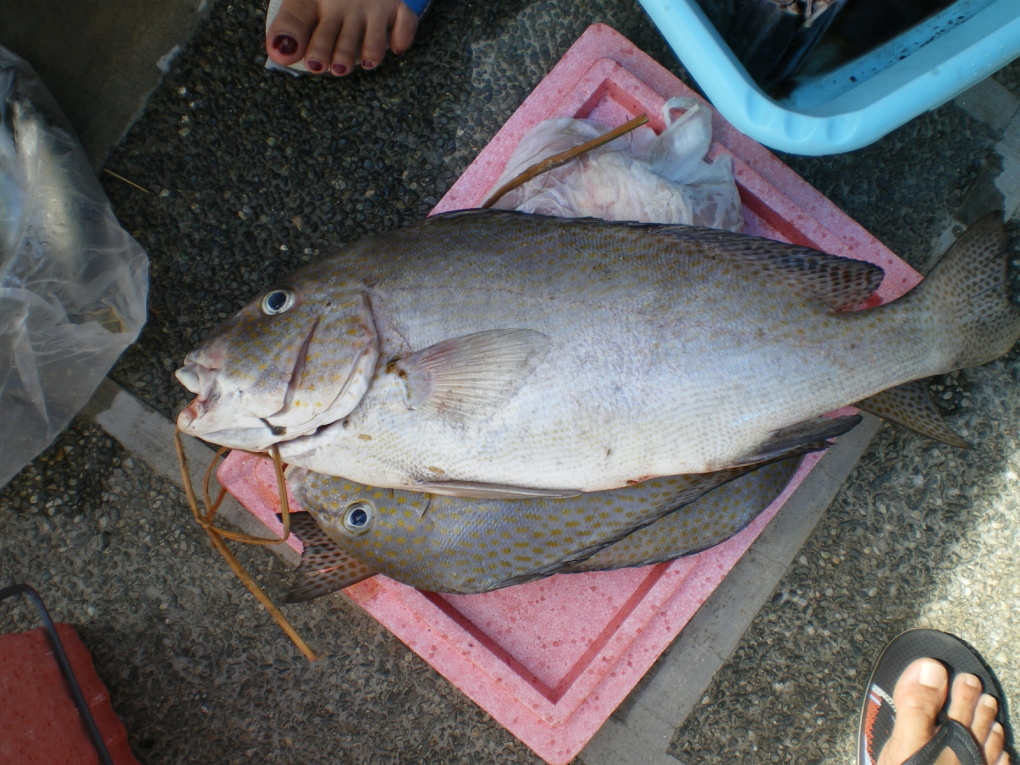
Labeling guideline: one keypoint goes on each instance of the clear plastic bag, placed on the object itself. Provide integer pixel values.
(640, 176)
(73, 283)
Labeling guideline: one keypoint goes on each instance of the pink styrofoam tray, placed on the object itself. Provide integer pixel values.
(550, 660)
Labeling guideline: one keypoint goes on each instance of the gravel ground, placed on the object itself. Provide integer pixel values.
(252, 173)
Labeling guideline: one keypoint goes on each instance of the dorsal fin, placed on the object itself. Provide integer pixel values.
(326, 566)
(840, 283)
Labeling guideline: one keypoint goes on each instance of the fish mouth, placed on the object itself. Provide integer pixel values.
(199, 379)
(200, 372)
(197, 376)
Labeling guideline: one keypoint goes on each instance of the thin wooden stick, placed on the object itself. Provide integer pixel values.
(129, 183)
(550, 163)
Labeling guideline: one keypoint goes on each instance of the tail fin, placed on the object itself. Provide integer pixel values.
(968, 290)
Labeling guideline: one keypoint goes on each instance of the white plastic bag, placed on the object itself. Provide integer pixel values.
(639, 176)
(73, 283)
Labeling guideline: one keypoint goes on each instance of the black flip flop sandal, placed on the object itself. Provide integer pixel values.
(878, 711)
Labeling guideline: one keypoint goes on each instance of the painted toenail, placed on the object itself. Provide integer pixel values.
(932, 675)
(339, 69)
(285, 45)
(313, 66)
(367, 65)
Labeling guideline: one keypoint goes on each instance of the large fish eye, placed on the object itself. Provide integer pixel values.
(358, 517)
(277, 301)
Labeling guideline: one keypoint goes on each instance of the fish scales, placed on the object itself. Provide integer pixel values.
(503, 352)
(707, 521)
(465, 545)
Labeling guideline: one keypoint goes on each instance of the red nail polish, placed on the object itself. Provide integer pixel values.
(285, 45)
(313, 66)
(367, 65)
(339, 69)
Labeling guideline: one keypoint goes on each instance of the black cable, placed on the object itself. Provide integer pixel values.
(65, 667)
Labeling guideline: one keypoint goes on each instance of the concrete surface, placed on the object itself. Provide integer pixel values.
(250, 173)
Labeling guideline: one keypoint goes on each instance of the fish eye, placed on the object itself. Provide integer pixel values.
(277, 301)
(358, 517)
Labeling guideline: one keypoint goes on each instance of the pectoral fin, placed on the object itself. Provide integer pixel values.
(469, 378)
(802, 438)
(911, 406)
(326, 566)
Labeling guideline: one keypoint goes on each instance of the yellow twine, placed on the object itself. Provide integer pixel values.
(217, 535)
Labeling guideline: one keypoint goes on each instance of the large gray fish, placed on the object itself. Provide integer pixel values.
(502, 354)
(464, 545)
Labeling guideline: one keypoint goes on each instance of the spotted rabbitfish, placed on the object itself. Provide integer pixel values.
(467, 546)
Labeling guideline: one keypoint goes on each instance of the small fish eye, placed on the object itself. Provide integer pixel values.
(277, 301)
(358, 517)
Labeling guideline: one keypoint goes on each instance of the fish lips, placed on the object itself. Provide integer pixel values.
(207, 418)
(247, 433)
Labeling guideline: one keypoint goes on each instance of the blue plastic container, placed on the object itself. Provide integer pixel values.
(861, 101)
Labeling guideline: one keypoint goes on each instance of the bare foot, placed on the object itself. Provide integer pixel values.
(919, 695)
(336, 35)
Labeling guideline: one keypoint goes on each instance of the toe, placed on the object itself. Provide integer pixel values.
(984, 717)
(995, 746)
(373, 47)
(290, 30)
(918, 696)
(964, 698)
(319, 55)
(405, 24)
(348, 47)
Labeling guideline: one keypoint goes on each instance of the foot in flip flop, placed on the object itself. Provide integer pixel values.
(334, 36)
(920, 694)
(937, 713)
